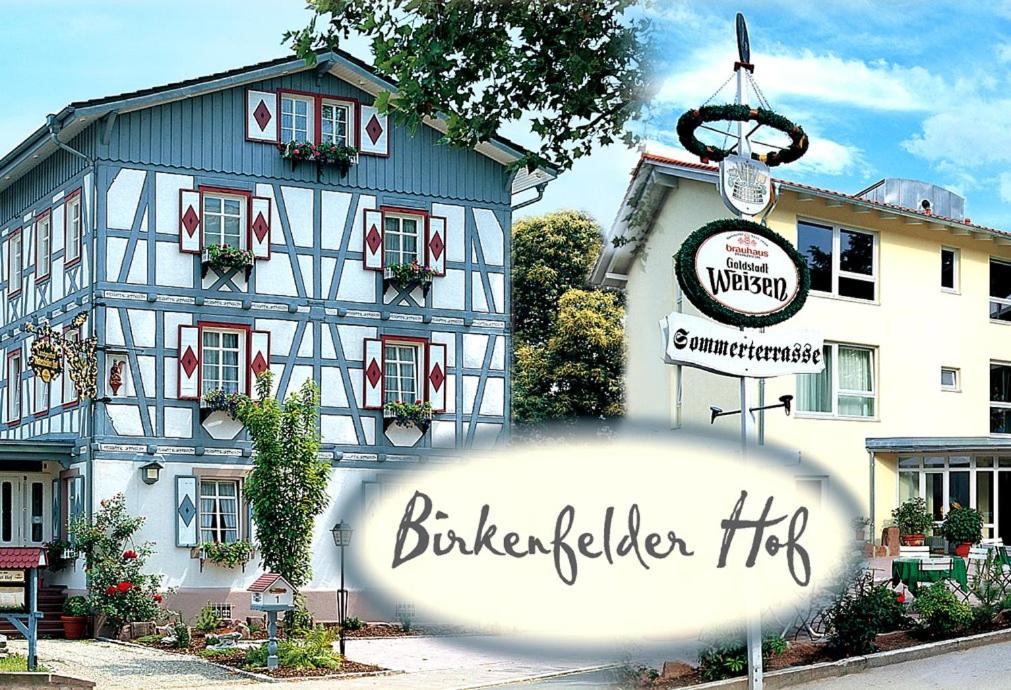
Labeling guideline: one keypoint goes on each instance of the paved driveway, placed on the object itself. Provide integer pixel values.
(425, 663)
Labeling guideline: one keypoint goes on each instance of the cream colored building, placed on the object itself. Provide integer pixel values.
(913, 301)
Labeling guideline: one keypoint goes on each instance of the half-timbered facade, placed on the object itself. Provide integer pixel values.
(114, 209)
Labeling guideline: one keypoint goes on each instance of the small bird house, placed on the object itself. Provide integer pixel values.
(271, 592)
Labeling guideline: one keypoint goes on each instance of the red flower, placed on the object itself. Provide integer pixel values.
(130, 553)
(124, 586)
(157, 597)
(109, 591)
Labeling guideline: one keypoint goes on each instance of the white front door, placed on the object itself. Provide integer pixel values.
(24, 512)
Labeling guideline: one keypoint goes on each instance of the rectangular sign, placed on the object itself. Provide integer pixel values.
(695, 342)
(12, 575)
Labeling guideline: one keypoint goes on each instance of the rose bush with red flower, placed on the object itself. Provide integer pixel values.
(157, 598)
(118, 587)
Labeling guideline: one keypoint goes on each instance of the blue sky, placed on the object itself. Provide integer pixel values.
(898, 89)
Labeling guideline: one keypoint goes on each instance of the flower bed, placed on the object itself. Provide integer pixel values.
(340, 156)
(224, 257)
(408, 274)
(218, 400)
(408, 414)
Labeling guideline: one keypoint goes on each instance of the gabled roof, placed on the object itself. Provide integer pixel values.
(655, 174)
(76, 116)
(19, 558)
(264, 582)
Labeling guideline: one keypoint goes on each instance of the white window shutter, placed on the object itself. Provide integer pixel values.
(435, 377)
(262, 121)
(259, 227)
(372, 370)
(187, 503)
(259, 356)
(373, 240)
(189, 363)
(435, 247)
(374, 136)
(189, 221)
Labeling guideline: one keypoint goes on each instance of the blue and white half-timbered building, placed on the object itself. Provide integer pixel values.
(109, 210)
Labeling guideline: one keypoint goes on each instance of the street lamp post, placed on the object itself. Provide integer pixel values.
(342, 537)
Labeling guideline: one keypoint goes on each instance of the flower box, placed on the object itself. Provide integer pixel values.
(223, 258)
(405, 276)
(218, 400)
(407, 414)
(339, 156)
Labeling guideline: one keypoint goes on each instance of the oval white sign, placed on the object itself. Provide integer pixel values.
(534, 540)
(746, 273)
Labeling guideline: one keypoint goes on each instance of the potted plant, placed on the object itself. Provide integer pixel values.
(963, 527)
(860, 525)
(408, 414)
(226, 555)
(75, 618)
(913, 521)
(407, 274)
(223, 257)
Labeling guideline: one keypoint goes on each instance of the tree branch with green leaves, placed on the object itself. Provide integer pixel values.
(578, 69)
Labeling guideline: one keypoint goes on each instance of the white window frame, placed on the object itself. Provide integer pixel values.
(310, 111)
(999, 300)
(14, 393)
(75, 229)
(222, 197)
(43, 249)
(837, 272)
(957, 375)
(956, 269)
(349, 113)
(241, 358)
(999, 405)
(837, 392)
(43, 395)
(220, 530)
(419, 365)
(15, 269)
(419, 235)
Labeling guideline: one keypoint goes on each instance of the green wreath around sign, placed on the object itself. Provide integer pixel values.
(684, 268)
(691, 120)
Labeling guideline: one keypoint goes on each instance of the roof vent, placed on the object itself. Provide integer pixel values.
(914, 195)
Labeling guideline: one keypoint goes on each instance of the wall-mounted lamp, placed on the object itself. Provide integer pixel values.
(785, 401)
(151, 472)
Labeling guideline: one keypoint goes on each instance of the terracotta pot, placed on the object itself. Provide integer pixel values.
(963, 549)
(912, 539)
(73, 626)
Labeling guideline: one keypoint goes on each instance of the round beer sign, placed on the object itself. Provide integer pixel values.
(741, 273)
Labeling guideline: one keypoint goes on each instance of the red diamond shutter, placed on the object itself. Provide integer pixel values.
(372, 370)
(435, 248)
(189, 363)
(259, 356)
(374, 135)
(373, 240)
(259, 227)
(261, 117)
(436, 376)
(189, 221)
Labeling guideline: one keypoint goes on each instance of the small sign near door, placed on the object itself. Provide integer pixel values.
(12, 576)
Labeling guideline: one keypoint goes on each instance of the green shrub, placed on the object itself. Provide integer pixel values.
(963, 524)
(943, 615)
(856, 618)
(207, 620)
(353, 623)
(182, 633)
(315, 650)
(149, 639)
(76, 606)
(298, 620)
(912, 517)
(727, 657)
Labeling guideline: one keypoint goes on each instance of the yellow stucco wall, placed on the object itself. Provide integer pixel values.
(916, 327)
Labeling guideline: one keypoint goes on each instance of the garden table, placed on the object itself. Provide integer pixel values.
(907, 570)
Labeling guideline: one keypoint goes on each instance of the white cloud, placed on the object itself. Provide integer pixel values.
(1005, 186)
(829, 157)
(874, 85)
(974, 134)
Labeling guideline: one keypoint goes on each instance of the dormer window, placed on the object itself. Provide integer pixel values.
(297, 117)
(334, 119)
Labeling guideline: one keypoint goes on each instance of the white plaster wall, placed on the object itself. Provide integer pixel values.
(142, 327)
(167, 186)
(275, 277)
(455, 226)
(123, 197)
(448, 291)
(333, 217)
(332, 392)
(125, 419)
(490, 234)
(172, 267)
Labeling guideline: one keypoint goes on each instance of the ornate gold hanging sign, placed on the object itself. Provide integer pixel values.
(50, 349)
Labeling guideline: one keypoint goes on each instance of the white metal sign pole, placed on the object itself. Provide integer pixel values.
(753, 621)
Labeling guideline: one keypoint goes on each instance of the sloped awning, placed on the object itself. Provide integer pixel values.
(938, 444)
(18, 455)
(20, 558)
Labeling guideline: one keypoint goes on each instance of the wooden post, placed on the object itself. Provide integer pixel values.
(33, 624)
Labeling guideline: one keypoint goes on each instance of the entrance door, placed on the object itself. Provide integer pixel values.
(23, 518)
(1004, 506)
